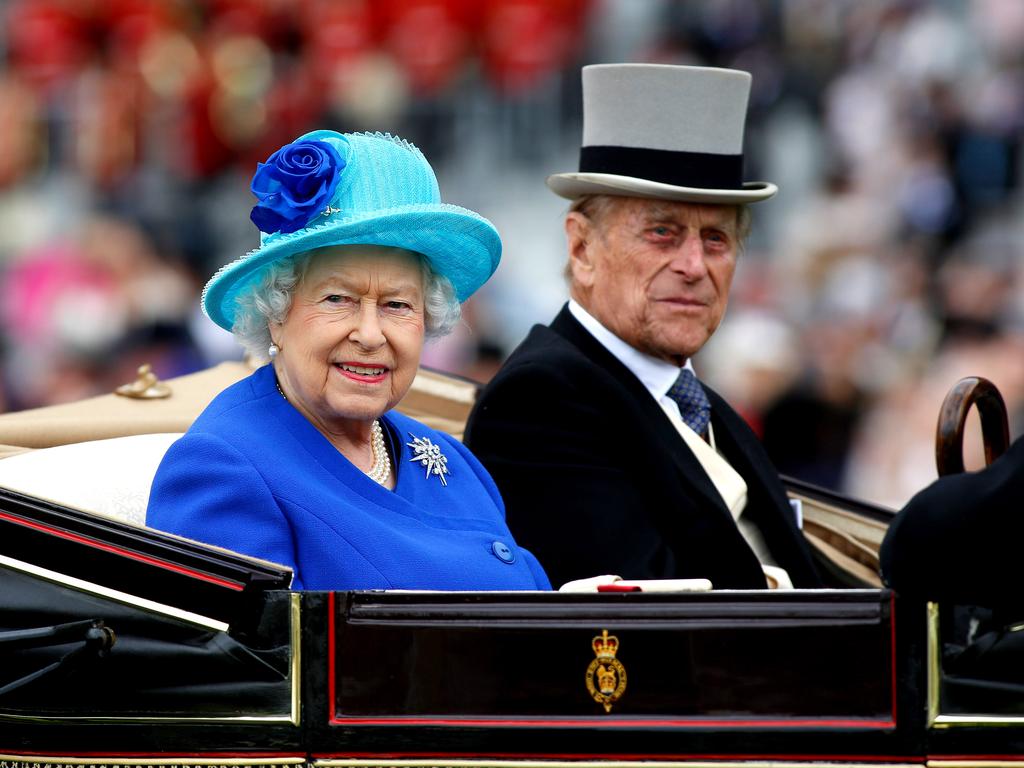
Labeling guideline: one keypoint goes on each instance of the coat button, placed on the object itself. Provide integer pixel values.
(503, 552)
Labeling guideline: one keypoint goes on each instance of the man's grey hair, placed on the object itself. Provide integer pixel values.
(268, 298)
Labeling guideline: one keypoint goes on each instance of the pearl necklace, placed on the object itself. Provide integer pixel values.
(381, 469)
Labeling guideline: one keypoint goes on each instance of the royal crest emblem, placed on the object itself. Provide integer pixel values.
(429, 455)
(606, 677)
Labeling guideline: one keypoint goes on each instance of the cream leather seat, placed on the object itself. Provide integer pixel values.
(109, 477)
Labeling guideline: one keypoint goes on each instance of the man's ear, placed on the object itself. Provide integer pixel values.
(579, 232)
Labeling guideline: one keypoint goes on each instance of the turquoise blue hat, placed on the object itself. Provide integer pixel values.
(329, 188)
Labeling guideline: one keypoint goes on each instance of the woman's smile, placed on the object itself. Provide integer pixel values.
(363, 373)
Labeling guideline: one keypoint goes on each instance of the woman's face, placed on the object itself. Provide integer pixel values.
(351, 342)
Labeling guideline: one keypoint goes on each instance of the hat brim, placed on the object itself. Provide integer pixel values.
(458, 243)
(575, 185)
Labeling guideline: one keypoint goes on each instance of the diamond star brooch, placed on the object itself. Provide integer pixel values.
(429, 455)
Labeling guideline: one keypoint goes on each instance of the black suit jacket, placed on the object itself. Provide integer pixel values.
(596, 479)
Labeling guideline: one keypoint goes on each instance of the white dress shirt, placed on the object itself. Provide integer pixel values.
(657, 375)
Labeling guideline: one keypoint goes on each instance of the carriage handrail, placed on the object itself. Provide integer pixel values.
(949, 435)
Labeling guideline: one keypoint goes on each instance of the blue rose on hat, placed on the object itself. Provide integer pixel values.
(295, 184)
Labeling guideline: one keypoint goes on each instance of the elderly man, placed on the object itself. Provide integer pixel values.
(610, 455)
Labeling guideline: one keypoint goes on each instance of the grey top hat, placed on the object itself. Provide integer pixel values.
(663, 131)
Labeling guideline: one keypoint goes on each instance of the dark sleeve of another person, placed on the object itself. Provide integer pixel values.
(961, 539)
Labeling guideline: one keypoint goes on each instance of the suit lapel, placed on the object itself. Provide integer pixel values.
(767, 505)
(733, 440)
(663, 431)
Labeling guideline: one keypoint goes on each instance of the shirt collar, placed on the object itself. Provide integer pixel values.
(655, 374)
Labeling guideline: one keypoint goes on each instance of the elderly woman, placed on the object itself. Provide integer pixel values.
(304, 462)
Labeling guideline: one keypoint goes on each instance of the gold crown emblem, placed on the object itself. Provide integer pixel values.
(605, 646)
(606, 677)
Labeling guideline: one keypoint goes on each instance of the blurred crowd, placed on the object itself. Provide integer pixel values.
(889, 266)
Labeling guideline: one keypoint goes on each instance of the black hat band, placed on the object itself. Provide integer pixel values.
(699, 170)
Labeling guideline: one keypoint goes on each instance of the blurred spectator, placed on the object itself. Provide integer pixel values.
(69, 306)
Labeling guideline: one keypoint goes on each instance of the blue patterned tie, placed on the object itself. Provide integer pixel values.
(693, 403)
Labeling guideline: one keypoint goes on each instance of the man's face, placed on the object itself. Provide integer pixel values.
(655, 272)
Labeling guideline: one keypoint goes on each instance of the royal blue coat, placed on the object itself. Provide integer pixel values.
(255, 476)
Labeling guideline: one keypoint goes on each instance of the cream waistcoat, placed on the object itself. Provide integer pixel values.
(733, 489)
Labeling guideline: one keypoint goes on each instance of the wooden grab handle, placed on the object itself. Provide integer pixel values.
(949, 434)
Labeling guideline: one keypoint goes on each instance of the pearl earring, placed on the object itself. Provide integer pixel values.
(273, 350)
